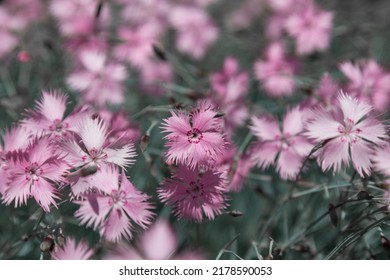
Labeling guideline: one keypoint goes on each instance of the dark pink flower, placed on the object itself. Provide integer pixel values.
(35, 173)
(350, 134)
(287, 148)
(72, 250)
(194, 139)
(195, 193)
(116, 207)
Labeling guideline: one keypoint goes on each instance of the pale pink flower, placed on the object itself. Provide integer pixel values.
(137, 43)
(48, 116)
(231, 87)
(77, 17)
(35, 173)
(72, 250)
(286, 148)
(276, 72)
(159, 242)
(381, 159)
(135, 12)
(21, 13)
(310, 27)
(245, 14)
(116, 207)
(349, 135)
(229, 83)
(195, 193)
(99, 81)
(196, 32)
(194, 139)
(154, 75)
(369, 82)
(94, 150)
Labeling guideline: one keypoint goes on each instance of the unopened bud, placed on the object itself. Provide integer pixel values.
(47, 244)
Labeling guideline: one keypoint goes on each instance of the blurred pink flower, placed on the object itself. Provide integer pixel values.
(21, 13)
(350, 135)
(195, 193)
(231, 87)
(196, 32)
(99, 81)
(116, 207)
(369, 82)
(276, 72)
(77, 17)
(72, 250)
(154, 74)
(159, 242)
(287, 148)
(48, 116)
(194, 139)
(245, 14)
(310, 27)
(236, 167)
(34, 173)
(137, 43)
(381, 159)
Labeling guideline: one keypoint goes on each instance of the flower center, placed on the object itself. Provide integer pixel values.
(96, 154)
(194, 136)
(348, 131)
(196, 189)
(33, 172)
(118, 198)
(58, 126)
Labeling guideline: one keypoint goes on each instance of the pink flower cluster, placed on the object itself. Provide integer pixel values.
(50, 150)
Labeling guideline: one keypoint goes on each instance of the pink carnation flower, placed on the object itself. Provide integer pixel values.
(276, 72)
(287, 148)
(99, 81)
(351, 134)
(369, 82)
(195, 30)
(93, 150)
(49, 118)
(116, 207)
(194, 139)
(310, 27)
(34, 173)
(159, 242)
(72, 251)
(195, 193)
(154, 75)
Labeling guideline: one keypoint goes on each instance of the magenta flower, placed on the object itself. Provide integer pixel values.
(310, 27)
(287, 148)
(72, 250)
(276, 72)
(350, 135)
(48, 117)
(195, 30)
(116, 207)
(35, 173)
(159, 242)
(99, 81)
(195, 193)
(194, 139)
(369, 82)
